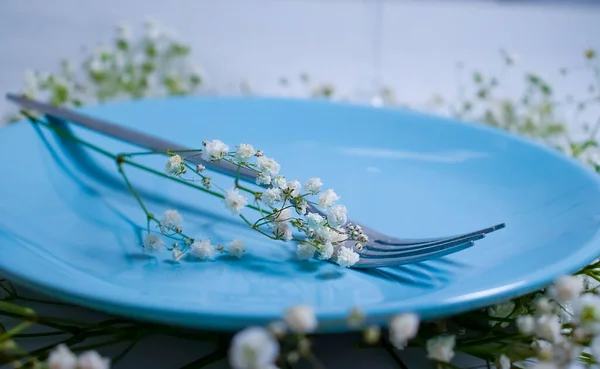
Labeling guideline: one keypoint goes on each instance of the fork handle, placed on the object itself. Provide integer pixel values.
(128, 135)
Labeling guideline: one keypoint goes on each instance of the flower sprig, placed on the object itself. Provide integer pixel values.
(287, 210)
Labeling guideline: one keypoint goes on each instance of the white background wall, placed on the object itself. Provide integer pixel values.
(262, 40)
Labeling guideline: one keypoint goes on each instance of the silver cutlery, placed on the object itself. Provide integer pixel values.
(380, 251)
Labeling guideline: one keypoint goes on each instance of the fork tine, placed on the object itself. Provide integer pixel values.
(410, 243)
(464, 238)
(373, 254)
(378, 263)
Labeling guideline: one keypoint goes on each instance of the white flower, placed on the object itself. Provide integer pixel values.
(176, 254)
(236, 248)
(548, 327)
(301, 207)
(283, 231)
(403, 328)
(293, 188)
(337, 216)
(153, 242)
(326, 234)
(313, 185)
(566, 288)
(61, 358)
(502, 310)
(543, 349)
(175, 165)
(315, 221)
(214, 150)
(595, 347)
(234, 201)
(253, 348)
(586, 312)
(271, 197)
(280, 182)
(305, 251)
(282, 216)
(346, 257)
(503, 362)
(526, 324)
(203, 250)
(263, 179)
(326, 251)
(441, 348)
(267, 166)
(327, 198)
(565, 313)
(124, 31)
(244, 152)
(301, 319)
(589, 283)
(171, 219)
(92, 360)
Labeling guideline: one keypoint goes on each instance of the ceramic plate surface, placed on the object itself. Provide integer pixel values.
(69, 228)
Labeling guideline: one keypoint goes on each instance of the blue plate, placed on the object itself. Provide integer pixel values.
(69, 228)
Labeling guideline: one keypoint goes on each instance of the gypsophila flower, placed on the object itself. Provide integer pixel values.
(548, 327)
(338, 216)
(282, 215)
(292, 189)
(92, 360)
(170, 220)
(267, 166)
(346, 257)
(503, 362)
(315, 221)
(206, 182)
(327, 234)
(403, 328)
(214, 150)
(525, 324)
(244, 152)
(283, 231)
(502, 310)
(327, 199)
(175, 165)
(301, 207)
(305, 251)
(236, 248)
(153, 242)
(61, 358)
(595, 347)
(441, 348)
(356, 317)
(263, 179)
(234, 201)
(325, 251)
(543, 349)
(566, 288)
(301, 319)
(272, 196)
(280, 182)
(586, 312)
(313, 185)
(372, 334)
(253, 348)
(203, 250)
(176, 254)
(200, 168)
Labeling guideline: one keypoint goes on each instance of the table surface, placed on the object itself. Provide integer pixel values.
(236, 41)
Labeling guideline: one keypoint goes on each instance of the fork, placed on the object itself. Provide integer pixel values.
(380, 251)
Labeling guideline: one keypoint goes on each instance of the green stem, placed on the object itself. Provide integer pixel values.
(15, 330)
